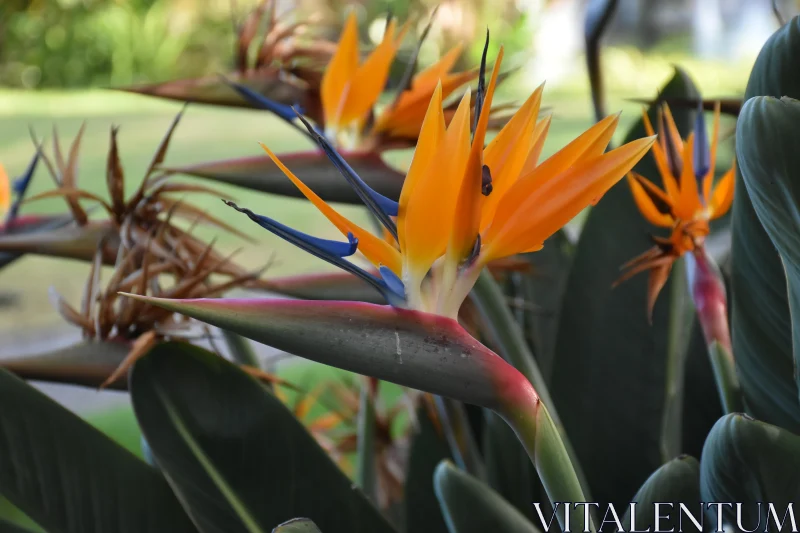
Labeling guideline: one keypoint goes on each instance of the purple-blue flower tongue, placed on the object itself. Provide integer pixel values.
(702, 154)
(383, 208)
(330, 251)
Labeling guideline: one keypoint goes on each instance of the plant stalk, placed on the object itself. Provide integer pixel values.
(513, 347)
(528, 416)
(710, 301)
(680, 316)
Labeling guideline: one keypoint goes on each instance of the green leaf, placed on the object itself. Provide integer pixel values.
(87, 364)
(10, 527)
(543, 293)
(297, 525)
(366, 461)
(678, 481)
(470, 506)
(610, 366)
(767, 140)
(748, 461)
(701, 403)
(761, 326)
(428, 449)
(313, 168)
(70, 478)
(236, 456)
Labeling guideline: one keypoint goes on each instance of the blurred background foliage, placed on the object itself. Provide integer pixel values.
(101, 43)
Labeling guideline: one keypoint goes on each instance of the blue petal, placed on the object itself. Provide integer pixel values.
(702, 153)
(394, 283)
(333, 252)
(381, 207)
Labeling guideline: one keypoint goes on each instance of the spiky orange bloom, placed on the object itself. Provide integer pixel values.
(464, 204)
(687, 202)
(350, 91)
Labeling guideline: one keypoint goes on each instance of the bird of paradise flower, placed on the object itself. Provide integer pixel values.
(464, 204)
(688, 201)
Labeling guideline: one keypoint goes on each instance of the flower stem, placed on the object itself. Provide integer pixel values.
(680, 316)
(512, 345)
(524, 411)
(710, 301)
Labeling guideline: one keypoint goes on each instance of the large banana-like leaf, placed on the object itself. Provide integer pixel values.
(748, 461)
(313, 167)
(678, 481)
(605, 347)
(766, 143)
(470, 506)
(9, 527)
(86, 363)
(761, 326)
(428, 449)
(236, 456)
(71, 478)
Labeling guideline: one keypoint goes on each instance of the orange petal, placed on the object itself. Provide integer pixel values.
(431, 135)
(551, 206)
(404, 118)
(709, 177)
(432, 203)
(537, 144)
(466, 224)
(376, 250)
(689, 199)
(431, 75)
(660, 157)
(646, 204)
(5, 190)
(722, 198)
(340, 72)
(672, 129)
(507, 153)
(370, 79)
(552, 167)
